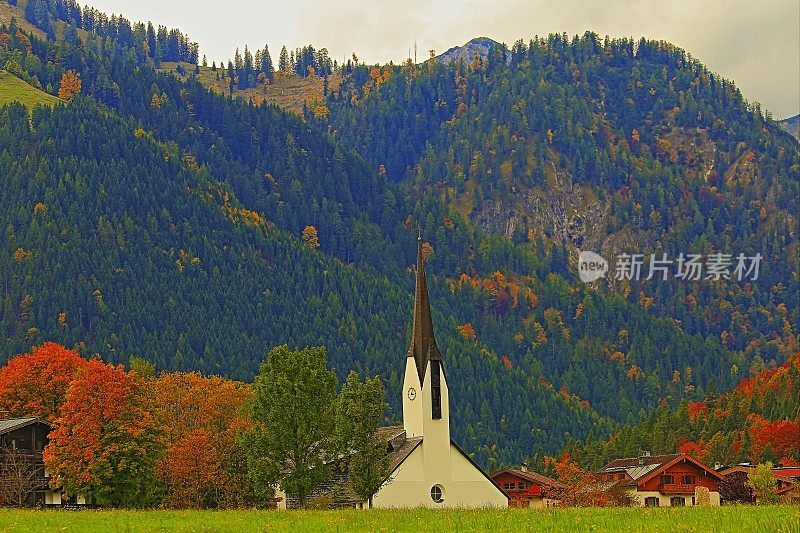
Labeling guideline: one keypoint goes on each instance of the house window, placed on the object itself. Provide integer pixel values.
(667, 479)
(677, 501)
(437, 494)
(436, 390)
(688, 479)
(506, 486)
(651, 501)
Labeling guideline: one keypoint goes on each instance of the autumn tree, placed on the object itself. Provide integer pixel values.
(106, 442)
(361, 408)
(36, 383)
(294, 421)
(70, 85)
(204, 464)
(310, 237)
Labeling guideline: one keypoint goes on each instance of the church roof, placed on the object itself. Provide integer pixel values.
(423, 344)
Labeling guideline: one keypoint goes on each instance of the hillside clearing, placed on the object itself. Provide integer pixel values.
(732, 518)
(288, 92)
(13, 89)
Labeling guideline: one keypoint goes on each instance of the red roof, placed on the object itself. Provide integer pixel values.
(793, 471)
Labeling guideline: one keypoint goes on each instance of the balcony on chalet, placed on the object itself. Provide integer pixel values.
(677, 488)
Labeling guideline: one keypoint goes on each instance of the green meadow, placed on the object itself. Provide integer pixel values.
(772, 519)
(13, 89)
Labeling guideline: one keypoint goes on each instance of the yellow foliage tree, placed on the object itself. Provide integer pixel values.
(310, 237)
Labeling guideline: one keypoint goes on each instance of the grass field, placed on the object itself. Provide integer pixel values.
(763, 519)
(13, 89)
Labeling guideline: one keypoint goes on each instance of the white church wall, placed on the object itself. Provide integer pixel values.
(465, 487)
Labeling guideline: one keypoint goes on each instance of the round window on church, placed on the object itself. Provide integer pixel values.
(437, 494)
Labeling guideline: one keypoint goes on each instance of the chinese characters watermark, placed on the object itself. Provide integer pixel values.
(687, 267)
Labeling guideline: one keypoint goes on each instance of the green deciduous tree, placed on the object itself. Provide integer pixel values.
(294, 422)
(764, 484)
(361, 408)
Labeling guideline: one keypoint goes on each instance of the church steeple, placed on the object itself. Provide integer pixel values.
(423, 343)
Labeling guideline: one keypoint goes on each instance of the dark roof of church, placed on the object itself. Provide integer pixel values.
(423, 344)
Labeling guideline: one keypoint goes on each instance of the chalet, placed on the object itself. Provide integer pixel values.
(427, 468)
(787, 486)
(662, 480)
(528, 489)
(24, 480)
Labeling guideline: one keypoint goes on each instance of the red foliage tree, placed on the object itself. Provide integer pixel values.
(36, 383)
(781, 436)
(697, 449)
(734, 488)
(106, 442)
(697, 409)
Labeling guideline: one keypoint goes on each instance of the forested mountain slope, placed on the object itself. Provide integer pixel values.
(129, 237)
(757, 421)
(608, 145)
(155, 217)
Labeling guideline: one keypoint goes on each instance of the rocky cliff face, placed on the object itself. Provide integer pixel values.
(480, 46)
(792, 125)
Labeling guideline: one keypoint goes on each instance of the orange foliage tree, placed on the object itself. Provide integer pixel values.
(781, 437)
(70, 85)
(106, 441)
(205, 465)
(36, 383)
(467, 331)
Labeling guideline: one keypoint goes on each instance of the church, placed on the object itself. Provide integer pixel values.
(429, 469)
(426, 468)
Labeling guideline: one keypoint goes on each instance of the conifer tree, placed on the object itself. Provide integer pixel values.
(283, 60)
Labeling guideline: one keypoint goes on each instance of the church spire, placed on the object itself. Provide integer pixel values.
(423, 344)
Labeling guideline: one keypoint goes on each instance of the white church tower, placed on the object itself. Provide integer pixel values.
(431, 471)
(426, 406)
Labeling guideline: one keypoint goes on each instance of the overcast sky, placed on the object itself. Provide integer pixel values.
(754, 43)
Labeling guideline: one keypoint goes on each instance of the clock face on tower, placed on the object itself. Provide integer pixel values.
(412, 393)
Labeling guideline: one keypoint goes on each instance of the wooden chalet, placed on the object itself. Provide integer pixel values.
(24, 480)
(662, 480)
(788, 485)
(528, 489)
